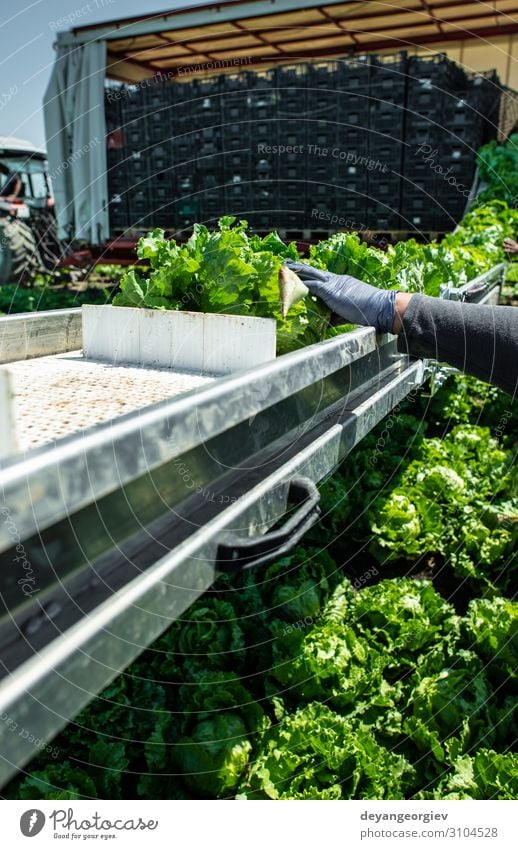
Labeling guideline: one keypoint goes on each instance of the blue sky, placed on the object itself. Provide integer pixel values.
(27, 32)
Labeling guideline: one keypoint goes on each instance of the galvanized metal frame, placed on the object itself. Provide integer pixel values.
(54, 481)
(39, 334)
(46, 690)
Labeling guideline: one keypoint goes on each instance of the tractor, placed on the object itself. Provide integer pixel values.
(28, 234)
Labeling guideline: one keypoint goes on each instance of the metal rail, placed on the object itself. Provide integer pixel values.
(484, 289)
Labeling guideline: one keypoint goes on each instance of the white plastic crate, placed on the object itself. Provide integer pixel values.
(213, 344)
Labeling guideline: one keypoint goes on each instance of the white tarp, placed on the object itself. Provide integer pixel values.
(75, 130)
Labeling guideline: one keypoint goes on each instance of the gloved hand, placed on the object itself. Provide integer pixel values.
(357, 302)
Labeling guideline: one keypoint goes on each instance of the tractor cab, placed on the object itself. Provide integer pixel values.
(28, 239)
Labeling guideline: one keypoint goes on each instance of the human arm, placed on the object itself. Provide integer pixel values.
(511, 246)
(481, 340)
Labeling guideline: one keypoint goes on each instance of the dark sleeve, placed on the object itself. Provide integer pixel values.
(480, 340)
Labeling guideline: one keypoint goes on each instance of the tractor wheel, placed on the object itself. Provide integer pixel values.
(19, 256)
(43, 224)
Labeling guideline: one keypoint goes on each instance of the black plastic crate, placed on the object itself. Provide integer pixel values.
(118, 209)
(181, 89)
(133, 104)
(457, 152)
(262, 221)
(160, 155)
(263, 195)
(387, 152)
(236, 160)
(292, 134)
(419, 132)
(212, 205)
(210, 179)
(324, 218)
(350, 205)
(158, 93)
(388, 78)
(135, 134)
(453, 201)
(354, 175)
(444, 220)
(262, 132)
(267, 170)
(322, 74)
(141, 205)
(387, 118)
(238, 191)
(322, 168)
(234, 143)
(138, 165)
(182, 150)
(296, 74)
(112, 109)
(321, 135)
(186, 126)
(239, 82)
(484, 93)
(321, 105)
(262, 112)
(419, 168)
(354, 75)
(416, 200)
(353, 112)
(422, 96)
(439, 70)
(204, 114)
(319, 190)
(263, 91)
(291, 188)
(234, 107)
(186, 180)
(163, 186)
(210, 118)
(293, 202)
(382, 216)
(383, 187)
(291, 219)
(291, 104)
(209, 148)
(352, 137)
(211, 87)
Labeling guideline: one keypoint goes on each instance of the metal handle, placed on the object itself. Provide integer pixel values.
(473, 291)
(237, 554)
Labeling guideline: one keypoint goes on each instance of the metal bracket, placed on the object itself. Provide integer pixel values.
(237, 555)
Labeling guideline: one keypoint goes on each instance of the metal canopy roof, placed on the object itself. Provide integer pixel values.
(225, 36)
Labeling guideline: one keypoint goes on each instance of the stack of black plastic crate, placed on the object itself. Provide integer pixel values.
(470, 118)
(321, 123)
(380, 143)
(234, 168)
(387, 89)
(197, 148)
(438, 162)
(115, 156)
(351, 177)
(289, 157)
